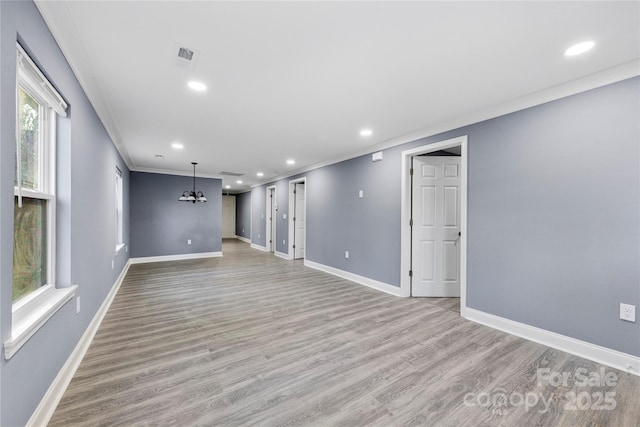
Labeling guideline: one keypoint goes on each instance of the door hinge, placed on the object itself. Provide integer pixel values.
(294, 191)
(411, 222)
(294, 218)
(410, 273)
(294, 246)
(411, 171)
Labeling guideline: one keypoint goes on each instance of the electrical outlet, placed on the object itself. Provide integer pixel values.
(346, 254)
(188, 241)
(126, 248)
(77, 305)
(283, 243)
(628, 312)
(361, 194)
(113, 264)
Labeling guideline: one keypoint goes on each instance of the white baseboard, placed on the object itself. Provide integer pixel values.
(244, 239)
(282, 255)
(615, 359)
(371, 283)
(143, 260)
(47, 406)
(258, 247)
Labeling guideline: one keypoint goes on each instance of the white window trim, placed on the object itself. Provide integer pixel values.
(32, 311)
(38, 84)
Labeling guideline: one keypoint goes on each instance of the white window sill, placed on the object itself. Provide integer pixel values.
(32, 312)
(119, 248)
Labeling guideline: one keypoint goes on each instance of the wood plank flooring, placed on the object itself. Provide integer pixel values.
(252, 339)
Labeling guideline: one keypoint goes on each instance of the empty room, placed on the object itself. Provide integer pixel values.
(368, 213)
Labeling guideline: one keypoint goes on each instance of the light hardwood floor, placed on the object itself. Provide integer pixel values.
(252, 339)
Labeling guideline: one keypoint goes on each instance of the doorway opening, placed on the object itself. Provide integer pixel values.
(228, 217)
(297, 218)
(270, 218)
(434, 220)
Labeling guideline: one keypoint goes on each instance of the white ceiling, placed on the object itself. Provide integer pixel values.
(301, 79)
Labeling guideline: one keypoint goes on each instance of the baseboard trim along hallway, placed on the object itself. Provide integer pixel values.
(366, 281)
(606, 356)
(49, 402)
(143, 260)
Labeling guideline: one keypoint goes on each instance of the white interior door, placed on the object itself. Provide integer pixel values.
(228, 217)
(436, 227)
(299, 221)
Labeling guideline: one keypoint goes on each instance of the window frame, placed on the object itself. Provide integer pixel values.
(46, 172)
(32, 311)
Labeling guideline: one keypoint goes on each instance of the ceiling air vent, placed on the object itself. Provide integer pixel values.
(184, 56)
(231, 174)
(185, 53)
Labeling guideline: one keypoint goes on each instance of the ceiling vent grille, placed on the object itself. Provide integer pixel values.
(184, 57)
(185, 53)
(231, 174)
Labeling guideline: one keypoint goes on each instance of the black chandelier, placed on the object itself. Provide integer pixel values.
(192, 196)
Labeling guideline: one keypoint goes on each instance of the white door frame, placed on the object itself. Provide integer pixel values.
(405, 215)
(270, 227)
(292, 187)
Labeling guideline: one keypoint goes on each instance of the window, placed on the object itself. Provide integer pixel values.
(119, 204)
(35, 297)
(34, 205)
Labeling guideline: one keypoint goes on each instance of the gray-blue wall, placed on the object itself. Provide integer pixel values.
(243, 215)
(161, 225)
(258, 224)
(554, 229)
(85, 235)
(553, 223)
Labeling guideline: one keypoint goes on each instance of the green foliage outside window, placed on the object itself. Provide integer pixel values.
(29, 134)
(30, 220)
(29, 246)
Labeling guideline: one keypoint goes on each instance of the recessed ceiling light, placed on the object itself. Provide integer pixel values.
(260, 174)
(366, 132)
(239, 182)
(177, 146)
(227, 187)
(579, 48)
(291, 162)
(200, 87)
